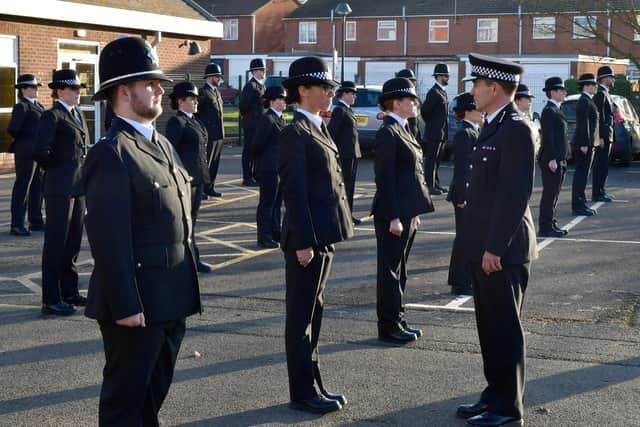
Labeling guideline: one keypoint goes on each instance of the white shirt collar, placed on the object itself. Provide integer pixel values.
(278, 113)
(190, 115)
(400, 120)
(604, 87)
(31, 100)
(556, 103)
(144, 130)
(475, 125)
(212, 86)
(441, 87)
(68, 107)
(588, 94)
(315, 119)
(347, 105)
(493, 115)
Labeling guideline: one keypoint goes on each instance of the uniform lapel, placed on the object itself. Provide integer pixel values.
(141, 142)
(70, 119)
(488, 131)
(313, 129)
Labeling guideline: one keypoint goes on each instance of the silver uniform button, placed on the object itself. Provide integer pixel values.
(189, 240)
(175, 170)
(139, 265)
(470, 166)
(156, 184)
(484, 159)
(466, 185)
(474, 148)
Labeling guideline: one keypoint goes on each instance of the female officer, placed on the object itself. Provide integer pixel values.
(401, 195)
(62, 140)
(317, 216)
(189, 136)
(464, 109)
(27, 189)
(265, 151)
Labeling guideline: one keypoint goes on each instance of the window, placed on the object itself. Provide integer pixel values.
(438, 30)
(230, 29)
(544, 27)
(636, 29)
(351, 31)
(386, 30)
(584, 27)
(487, 30)
(307, 33)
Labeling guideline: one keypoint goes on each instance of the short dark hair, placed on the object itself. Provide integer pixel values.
(508, 87)
(175, 102)
(459, 114)
(54, 93)
(293, 96)
(20, 94)
(110, 95)
(387, 104)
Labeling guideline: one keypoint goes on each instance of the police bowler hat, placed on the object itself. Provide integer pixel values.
(213, 70)
(587, 79)
(257, 64)
(184, 89)
(407, 74)
(396, 88)
(553, 83)
(274, 92)
(309, 70)
(464, 102)
(127, 59)
(441, 70)
(346, 86)
(65, 78)
(27, 80)
(605, 71)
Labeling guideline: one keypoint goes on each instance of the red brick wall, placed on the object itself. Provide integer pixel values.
(242, 45)
(269, 26)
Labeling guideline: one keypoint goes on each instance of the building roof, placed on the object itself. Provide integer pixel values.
(382, 8)
(232, 8)
(168, 7)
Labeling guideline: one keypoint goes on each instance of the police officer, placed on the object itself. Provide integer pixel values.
(210, 111)
(523, 100)
(144, 283)
(317, 216)
(435, 113)
(343, 128)
(250, 112)
(413, 121)
(62, 141)
(265, 147)
(189, 137)
(401, 195)
(585, 137)
(27, 189)
(464, 143)
(552, 157)
(602, 150)
(499, 239)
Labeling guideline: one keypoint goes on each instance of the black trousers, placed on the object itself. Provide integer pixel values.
(393, 252)
(62, 239)
(601, 156)
(459, 275)
(349, 166)
(139, 366)
(304, 304)
(214, 151)
(247, 152)
(498, 303)
(432, 156)
(582, 164)
(27, 191)
(268, 216)
(551, 186)
(196, 201)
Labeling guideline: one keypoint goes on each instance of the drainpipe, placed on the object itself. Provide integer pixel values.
(406, 36)
(520, 29)
(608, 32)
(158, 38)
(334, 60)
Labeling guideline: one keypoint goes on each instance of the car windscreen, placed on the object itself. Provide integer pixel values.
(569, 110)
(367, 98)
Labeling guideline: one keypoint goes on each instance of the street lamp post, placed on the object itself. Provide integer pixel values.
(343, 9)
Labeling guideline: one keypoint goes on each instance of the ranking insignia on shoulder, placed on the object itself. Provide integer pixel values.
(516, 117)
(104, 138)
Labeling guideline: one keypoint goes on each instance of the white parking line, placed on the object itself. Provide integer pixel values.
(577, 220)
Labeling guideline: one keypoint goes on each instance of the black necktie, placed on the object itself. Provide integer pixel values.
(324, 130)
(76, 115)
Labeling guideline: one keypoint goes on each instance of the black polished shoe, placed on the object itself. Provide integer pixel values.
(562, 230)
(398, 337)
(268, 244)
(77, 300)
(471, 409)
(583, 212)
(249, 182)
(489, 419)
(37, 227)
(203, 267)
(603, 198)
(59, 309)
(462, 290)
(334, 396)
(204, 196)
(214, 193)
(551, 233)
(316, 405)
(20, 231)
(444, 190)
(356, 221)
(417, 332)
(435, 191)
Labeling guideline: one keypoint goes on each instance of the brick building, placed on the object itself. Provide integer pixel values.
(37, 37)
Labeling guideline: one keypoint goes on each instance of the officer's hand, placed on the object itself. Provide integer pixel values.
(461, 205)
(601, 142)
(584, 149)
(135, 321)
(418, 222)
(395, 227)
(553, 165)
(304, 256)
(490, 263)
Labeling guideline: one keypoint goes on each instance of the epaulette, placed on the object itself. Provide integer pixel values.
(516, 117)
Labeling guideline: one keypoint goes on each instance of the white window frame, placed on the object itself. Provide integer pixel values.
(230, 29)
(579, 27)
(437, 24)
(387, 22)
(308, 26)
(540, 24)
(355, 31)
(636, 34)
(479, 28)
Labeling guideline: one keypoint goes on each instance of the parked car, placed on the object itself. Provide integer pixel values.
(368, 115)
(229, 95)
(274, 80)
(626, 143)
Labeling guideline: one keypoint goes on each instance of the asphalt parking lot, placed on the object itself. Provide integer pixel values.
(581, 317)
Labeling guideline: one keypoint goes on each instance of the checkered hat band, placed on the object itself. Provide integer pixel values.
(322, 75)
(69, 82)
(409, 90)
(490, 73)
